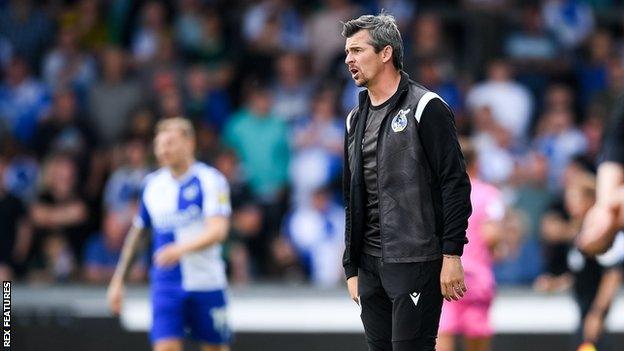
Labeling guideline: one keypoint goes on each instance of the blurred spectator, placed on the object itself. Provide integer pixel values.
(66, 65)
(141, 126)
(22, 170)
(522, 261)
(292, 90)
(243, 247)
(65, 131)
(317, 148)
(560, 226)
(86, 19)
(113, 98)
(570, 21)
(494, 148)
(430, 73)
(559, 140)
(260, 140)
(170, 103)
(60, 215)
(559, 97)
(605, 101)
(316, 231)
(125, 183)
(531, 43)
(402, 10)
(102, 250)
(511, 103)
(152, 27)
(163, 73)
(428, 42)
(323, 32)
(24, 101)
(188, 24)
(532, 196)
(15, 231)
(592, 70)
(206, 102)
(28, 30)
(203, 39)
(534, 54)
(271, 25)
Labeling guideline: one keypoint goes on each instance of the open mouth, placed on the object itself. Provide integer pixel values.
(354, 71)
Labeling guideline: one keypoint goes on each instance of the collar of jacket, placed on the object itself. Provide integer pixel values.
(364, 100)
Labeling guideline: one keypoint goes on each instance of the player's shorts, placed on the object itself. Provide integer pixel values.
(400, 303)
(468, 318)
(202, 315)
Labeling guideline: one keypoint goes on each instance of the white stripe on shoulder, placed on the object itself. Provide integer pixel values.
(422, 103)
(349, 120)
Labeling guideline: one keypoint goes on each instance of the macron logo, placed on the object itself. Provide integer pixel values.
(415, 296)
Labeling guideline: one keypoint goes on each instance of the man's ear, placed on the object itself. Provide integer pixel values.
(386, 53)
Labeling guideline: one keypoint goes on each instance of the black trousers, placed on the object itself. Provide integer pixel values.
(401, 304)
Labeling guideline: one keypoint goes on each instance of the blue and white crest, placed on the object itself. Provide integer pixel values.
(399, 122)
(190, 192)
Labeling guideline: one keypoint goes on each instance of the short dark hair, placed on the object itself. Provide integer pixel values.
(382, 30)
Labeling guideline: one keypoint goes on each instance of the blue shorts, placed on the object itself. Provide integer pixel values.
(200, 314)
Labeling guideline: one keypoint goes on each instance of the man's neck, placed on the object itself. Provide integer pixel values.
(181, 169)
(386, 84)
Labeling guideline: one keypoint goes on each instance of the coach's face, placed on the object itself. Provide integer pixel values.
(362, 60)
(172, 148)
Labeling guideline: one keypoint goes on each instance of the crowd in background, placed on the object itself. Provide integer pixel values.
(531, 83)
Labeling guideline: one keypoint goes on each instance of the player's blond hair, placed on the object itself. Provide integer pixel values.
(176, 123)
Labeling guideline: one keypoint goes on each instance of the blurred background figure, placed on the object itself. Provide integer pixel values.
(316, 232)
(15, 232)
(60, 215)
(470, 317)
(102, 250)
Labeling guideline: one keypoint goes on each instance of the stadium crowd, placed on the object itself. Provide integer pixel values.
(532, 84)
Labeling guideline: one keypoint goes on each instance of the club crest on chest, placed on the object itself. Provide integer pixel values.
(399, 122)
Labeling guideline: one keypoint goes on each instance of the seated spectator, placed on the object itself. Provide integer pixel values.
(559, 140)
(273, 25)
(292, 90)
(243, 248)
(316, 232)
(67, 65)
(206, 103)
(260, 141)
(28, 28)
(317, 147)
(559, 228)
(24, 101)
(124, 185)
(151, 28)
(102, 250)
(15, 231)
(66, 130)
(511, 103)
(592, 70)
(60, 213)
(112, 98)
(522, 261)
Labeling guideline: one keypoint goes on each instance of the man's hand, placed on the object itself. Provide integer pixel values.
(168, 255)
(599, 229)
(352, 286)
(114, 295)
(452, 278)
